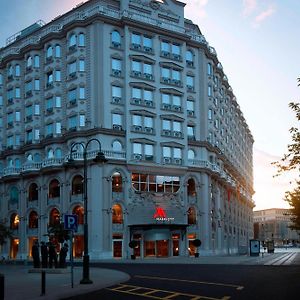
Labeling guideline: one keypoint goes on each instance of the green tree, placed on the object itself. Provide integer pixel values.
(5, 233)
(291, 161)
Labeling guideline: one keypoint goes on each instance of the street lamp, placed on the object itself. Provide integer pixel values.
(100, 157)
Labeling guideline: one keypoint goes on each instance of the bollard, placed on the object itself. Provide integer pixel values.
(43, 283)
(1, 287)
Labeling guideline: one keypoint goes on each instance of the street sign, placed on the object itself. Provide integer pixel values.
(71, 222)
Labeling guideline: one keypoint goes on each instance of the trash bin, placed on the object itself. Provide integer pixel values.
(254, 247)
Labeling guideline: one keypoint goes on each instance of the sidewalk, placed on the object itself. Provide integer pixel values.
(22, 285)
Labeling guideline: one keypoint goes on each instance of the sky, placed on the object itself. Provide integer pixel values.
(257, 42)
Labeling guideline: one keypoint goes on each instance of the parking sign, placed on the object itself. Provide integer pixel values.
(71, 222)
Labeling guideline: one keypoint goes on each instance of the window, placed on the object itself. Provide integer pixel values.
(72, 69)
(209, 69)
(36, 84)
(49, 79)
(77, 185)
(54, 217)
(72, 95)
(36, 109)
(209, 114)
(18, 70)
(72, 41)
(1, 79)
(81, 120)
(117, 182)
(58, 75)
(117, 119)
(36, 134)
(81, 40)
(29, 136)
(18, 92)
(192, 217)
(14, 221)
(49, 105)
(54, 188)
(72, 122)
(57, 51)
(58, 127)
(191, 132)
(191, 154)
(58, 153)
(170, 101)
(117, 146)
(79, 211)
(172, 76)
(33, 220)
(36, 61)
(28, 88)
(155, 183)
(116, 39)
(81, 93)
(18, 116)
(209, 91)
(116, 65)
(171, 50)
(49, 130)
(189, 58)
(49, 52)
(117, 214)
(116, 92)
(190, 83)
(190, 107)
(33, 193)
(29, 62)
(81, 65)
(143, 151)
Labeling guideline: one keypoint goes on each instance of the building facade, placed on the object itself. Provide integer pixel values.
(143, 80)
(273, 224)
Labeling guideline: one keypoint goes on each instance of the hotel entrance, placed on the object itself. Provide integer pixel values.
(158, 248)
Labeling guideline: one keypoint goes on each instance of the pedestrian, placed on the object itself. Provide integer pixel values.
(62, 256)
(52, 255)
(35, 252)
(44, 254)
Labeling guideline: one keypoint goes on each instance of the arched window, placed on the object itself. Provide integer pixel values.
(33, 193)
(57, 51)
(17, 163)
(29, 157)
(117, 182)
(50, 153)
(72, 40)
(81, 40)
(10, 163)
(54, 217)
(18, 70)
(36, 157)
(14, 221)
(49, 52)
(33, 220)
(117, 214)
(54, 188)
(191, 187)
(58, 153)
(192, 216)
(10, 71)
(77, 185)
(29, 62)
(36, 61)
(14, 195)
(189, 57)
(115, 38)
(117, 146)
(79, 211)
(191, 154)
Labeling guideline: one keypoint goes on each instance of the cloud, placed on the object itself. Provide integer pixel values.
(249, 6)
(196, 8)
(262, 16)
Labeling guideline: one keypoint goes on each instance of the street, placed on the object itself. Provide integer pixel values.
(189, 281)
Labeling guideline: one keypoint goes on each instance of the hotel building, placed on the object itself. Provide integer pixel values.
(143, 80)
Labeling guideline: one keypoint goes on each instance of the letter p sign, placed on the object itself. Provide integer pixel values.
(70, 222)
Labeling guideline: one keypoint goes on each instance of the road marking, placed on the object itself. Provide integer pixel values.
(284, 259)
(148, 293)
(238, 287)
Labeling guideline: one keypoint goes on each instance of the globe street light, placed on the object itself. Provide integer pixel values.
(100, 157)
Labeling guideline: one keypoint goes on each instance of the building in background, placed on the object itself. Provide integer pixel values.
(143, 80)
(273, 224)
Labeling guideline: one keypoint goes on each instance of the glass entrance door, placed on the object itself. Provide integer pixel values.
(162, 248)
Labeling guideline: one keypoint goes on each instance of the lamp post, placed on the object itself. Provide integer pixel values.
(100, 157)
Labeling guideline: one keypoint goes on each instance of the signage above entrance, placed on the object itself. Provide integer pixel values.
(161, 215)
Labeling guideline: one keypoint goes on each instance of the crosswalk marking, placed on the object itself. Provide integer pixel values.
(149, 293)
(285, 259)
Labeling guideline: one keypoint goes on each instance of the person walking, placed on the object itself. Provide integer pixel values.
(62, 256)
(44, 254)
(52, 255)
(35, 252)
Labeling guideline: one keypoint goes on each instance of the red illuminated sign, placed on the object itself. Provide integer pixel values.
(161, 215)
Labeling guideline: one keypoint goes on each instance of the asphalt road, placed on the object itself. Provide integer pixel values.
(180, 282)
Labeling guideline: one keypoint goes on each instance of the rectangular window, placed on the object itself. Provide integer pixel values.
(36, 134)
(116, 64)
(81, 93)
(18, 116)
(116, 91)
(28, 87)
(49, 104)
(18, 139)
(58, 127)
(73, 122)
(81, 120)
(136, 39)
(166, 124)
(136, 66)
(177, 126)
(148, 122)
(148, 149)
(177, 153)
(72, 94)
(18, 92)
(49, 129)
(36, 84)
(165, 46)
(165, 73)
(148, 95)
(28, 111)
(166, 152)
(36, 109)
(136, 93)
(57, 75)
(117, 119)
(209, 91)
(10, 141)
(81, 65)
(147, 42)
(72, 68)
(137, 148)
(29, 135)
(58, 101)
(147, 69)
(137, 120)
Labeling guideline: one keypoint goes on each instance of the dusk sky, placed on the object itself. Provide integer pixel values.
(257, 42)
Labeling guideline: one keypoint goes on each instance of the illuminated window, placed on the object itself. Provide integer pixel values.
(54, 189)
(54, 217)
(192, 219)
(79, 211)
(117, 214)
(117, 182)
(14, 221)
